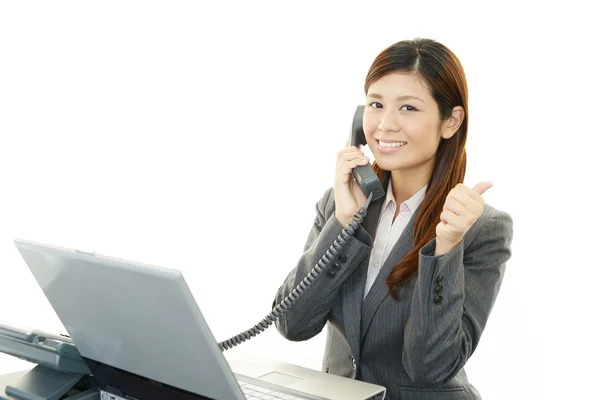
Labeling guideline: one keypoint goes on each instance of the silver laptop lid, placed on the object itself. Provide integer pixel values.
(139, 318)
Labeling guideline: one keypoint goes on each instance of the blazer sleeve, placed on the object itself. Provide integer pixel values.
(452, 301)
(307, 317)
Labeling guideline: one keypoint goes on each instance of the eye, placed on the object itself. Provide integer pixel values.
(376, 104)
(407, 107)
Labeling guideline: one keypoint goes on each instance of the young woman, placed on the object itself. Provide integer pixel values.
(407, 298)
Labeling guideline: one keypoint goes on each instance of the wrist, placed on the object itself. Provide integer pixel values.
(343, 219)
(442, 247)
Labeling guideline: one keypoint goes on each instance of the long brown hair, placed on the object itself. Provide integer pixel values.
(442, 72)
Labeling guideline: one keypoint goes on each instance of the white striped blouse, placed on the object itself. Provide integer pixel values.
(389, 231)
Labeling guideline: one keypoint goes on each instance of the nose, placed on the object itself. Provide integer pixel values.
(389, 121)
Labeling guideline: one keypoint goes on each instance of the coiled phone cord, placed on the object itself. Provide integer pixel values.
(303, 286)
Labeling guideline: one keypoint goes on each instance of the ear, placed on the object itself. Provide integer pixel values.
(451, 125)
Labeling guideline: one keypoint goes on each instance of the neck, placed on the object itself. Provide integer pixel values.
(406, 183)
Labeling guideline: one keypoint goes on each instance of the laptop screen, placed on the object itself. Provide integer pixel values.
(135, 317)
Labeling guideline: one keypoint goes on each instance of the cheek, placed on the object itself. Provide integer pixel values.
(423, 134)
(369, 127)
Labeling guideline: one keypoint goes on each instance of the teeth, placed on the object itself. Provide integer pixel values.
(395, 144)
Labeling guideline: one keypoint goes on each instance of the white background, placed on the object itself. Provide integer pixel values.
(199, 136)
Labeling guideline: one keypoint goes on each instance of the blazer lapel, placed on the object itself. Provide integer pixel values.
(353, 288)
(379, 290)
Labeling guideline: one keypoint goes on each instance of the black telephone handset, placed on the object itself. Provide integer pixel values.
(364, 175)
(372, 188)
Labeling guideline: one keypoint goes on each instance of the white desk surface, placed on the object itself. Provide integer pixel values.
(9, 378)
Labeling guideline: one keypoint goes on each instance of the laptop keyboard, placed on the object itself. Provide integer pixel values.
(253, 392)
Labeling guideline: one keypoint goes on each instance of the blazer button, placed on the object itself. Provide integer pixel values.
(438, 289)
(330, 273)
(353, 363)
(342, 258)
(439, 279)
(336, 266)
(438, 299)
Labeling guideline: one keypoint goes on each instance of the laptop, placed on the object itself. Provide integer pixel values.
(140, 331)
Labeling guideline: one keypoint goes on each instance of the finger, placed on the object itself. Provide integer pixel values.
(447, 216)
(453, 222)
(356, 162)
(460, 195)
(345, 150)
(473, 203)
(455, 206)
(352, 156)
(349, 157)
(348, 149)
(482, 187)
(477, 190)
(346, 169)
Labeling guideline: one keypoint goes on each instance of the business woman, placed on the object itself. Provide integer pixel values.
(407, 299)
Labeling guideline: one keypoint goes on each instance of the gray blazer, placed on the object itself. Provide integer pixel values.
(416, 347)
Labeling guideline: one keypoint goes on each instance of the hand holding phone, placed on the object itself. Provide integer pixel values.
(351, 192)
(349, 196)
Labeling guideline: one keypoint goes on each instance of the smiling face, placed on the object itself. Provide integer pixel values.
(402, 124)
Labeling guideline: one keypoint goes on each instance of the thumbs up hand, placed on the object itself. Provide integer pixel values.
(462, 208)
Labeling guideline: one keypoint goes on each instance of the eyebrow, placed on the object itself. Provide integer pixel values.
(400, 98)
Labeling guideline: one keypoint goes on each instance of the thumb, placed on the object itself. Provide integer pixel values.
(482, 187)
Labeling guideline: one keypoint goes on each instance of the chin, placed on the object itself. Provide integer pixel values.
(411, 165)
(389, 163)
